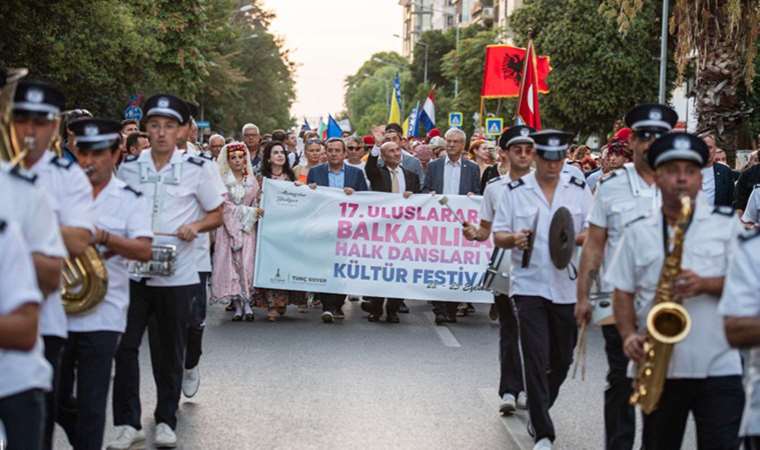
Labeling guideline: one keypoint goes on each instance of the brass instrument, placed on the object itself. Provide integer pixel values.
(85, 278)
(668, 323)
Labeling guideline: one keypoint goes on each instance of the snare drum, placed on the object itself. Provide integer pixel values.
(602, 313)
(496, 278)
(162, 263)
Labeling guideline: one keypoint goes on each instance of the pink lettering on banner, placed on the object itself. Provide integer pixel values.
(408, 233)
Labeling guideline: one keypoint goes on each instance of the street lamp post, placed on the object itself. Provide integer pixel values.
(663, 51)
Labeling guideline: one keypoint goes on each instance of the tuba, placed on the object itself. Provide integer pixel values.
(85, 278)
(668, 323)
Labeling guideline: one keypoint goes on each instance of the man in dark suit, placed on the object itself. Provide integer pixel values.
(717, 179)
(336, 174)
(389, 178)
(451, 175)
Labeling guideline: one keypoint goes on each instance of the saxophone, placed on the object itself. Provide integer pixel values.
(668, 323)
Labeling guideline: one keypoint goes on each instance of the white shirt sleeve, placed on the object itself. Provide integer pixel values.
(587, 200)
(620, 273)
(503, 219)
(139, 220)
(487, 206)
(18, 282)
(740, 291)
(41, 230)
(598, 215)
(210, 190)
(753, 207)
(375, 151)
(78, 209)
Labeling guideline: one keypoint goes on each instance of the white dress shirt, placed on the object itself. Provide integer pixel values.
(121, 212)
(636, 269)
(752, 210)
(519, 206)
(20, 370)
(71, 193)
(708, 184)
(495, 189)
(180, 193)
(452, 174)
(740, 299)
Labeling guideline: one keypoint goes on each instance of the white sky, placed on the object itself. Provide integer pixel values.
(330, 39)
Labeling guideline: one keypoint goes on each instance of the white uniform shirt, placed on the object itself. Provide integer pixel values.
(495, 189)
(180, 193)
(752, 210)
(636, 269)
(573, 171)
(203, 241)
(122, 212)
(593, 179)
(621, 197)
(452, 174)
(740, 299)
(520, 205)
(68, 186)
(21, 371)
(708, 184)
(23, 201)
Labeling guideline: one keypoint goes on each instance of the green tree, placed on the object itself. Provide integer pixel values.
(598, 73)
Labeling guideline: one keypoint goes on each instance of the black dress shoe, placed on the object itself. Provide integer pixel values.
(403, 309)
(373, 317)
(392, 317)
(440, 319)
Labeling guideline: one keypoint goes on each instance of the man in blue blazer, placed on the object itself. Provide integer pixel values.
(451, 174)
(337, 174)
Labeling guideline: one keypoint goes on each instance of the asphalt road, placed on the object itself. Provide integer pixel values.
(302, 384)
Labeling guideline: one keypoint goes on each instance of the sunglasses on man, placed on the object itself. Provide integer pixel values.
(647, 135)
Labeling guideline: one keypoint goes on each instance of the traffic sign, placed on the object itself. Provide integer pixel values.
(203, 124)
(132, 112)
(494, 125)
(455, 119)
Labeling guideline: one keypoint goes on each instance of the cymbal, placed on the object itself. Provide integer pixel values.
(561, 238)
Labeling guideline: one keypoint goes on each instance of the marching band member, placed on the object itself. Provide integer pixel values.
(544, 296)
(122, 232)
(186, 196)
(25, 372)
(36, 109)
(740, 307)
(515, 146)
(622, 196)
(703, 373)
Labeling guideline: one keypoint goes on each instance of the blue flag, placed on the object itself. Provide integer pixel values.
(305, 126)
(333, 129)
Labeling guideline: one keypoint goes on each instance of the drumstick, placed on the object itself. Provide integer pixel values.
(165, 234)
(580, 353)
(444, 201)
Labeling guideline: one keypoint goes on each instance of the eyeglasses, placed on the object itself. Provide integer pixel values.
(646, 135)
(313, 141)
(251, 135)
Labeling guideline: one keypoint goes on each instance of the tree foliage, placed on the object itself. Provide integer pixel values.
(99, 53)
(597, 73)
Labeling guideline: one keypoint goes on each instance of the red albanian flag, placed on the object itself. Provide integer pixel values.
(527, 105)
(503, 70)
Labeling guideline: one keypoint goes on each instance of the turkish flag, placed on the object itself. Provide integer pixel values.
(527, 105)
(503, 70)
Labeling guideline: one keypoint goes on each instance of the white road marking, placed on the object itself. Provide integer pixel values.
(516, 424)
(446, 336)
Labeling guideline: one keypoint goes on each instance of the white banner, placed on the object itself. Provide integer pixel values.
(369, 243)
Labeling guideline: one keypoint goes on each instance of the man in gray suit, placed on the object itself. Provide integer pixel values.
(393, 133)
(451, 175)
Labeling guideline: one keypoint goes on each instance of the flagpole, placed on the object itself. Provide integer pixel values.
(524, 74)
(482, 109)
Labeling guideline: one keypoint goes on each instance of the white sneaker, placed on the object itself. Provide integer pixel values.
(328, 317)
(508, 405)
(522, 400)
(191, 381)
(126, 437)
(165, 437)
(543, 444)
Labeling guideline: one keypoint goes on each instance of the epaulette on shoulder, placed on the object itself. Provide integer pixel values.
(516, 184)
(133, 190)
(3, 225)
(493, 180)
(724, 211)
(756, 186)
(130, 158)
(750, 234)
(63, 163)
(21, 174)
(628, 224)
(197, 161)
(205, 156)
(608, 177)
(580, 183)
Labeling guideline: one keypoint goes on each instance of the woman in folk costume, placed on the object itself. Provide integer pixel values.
(235, 240)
